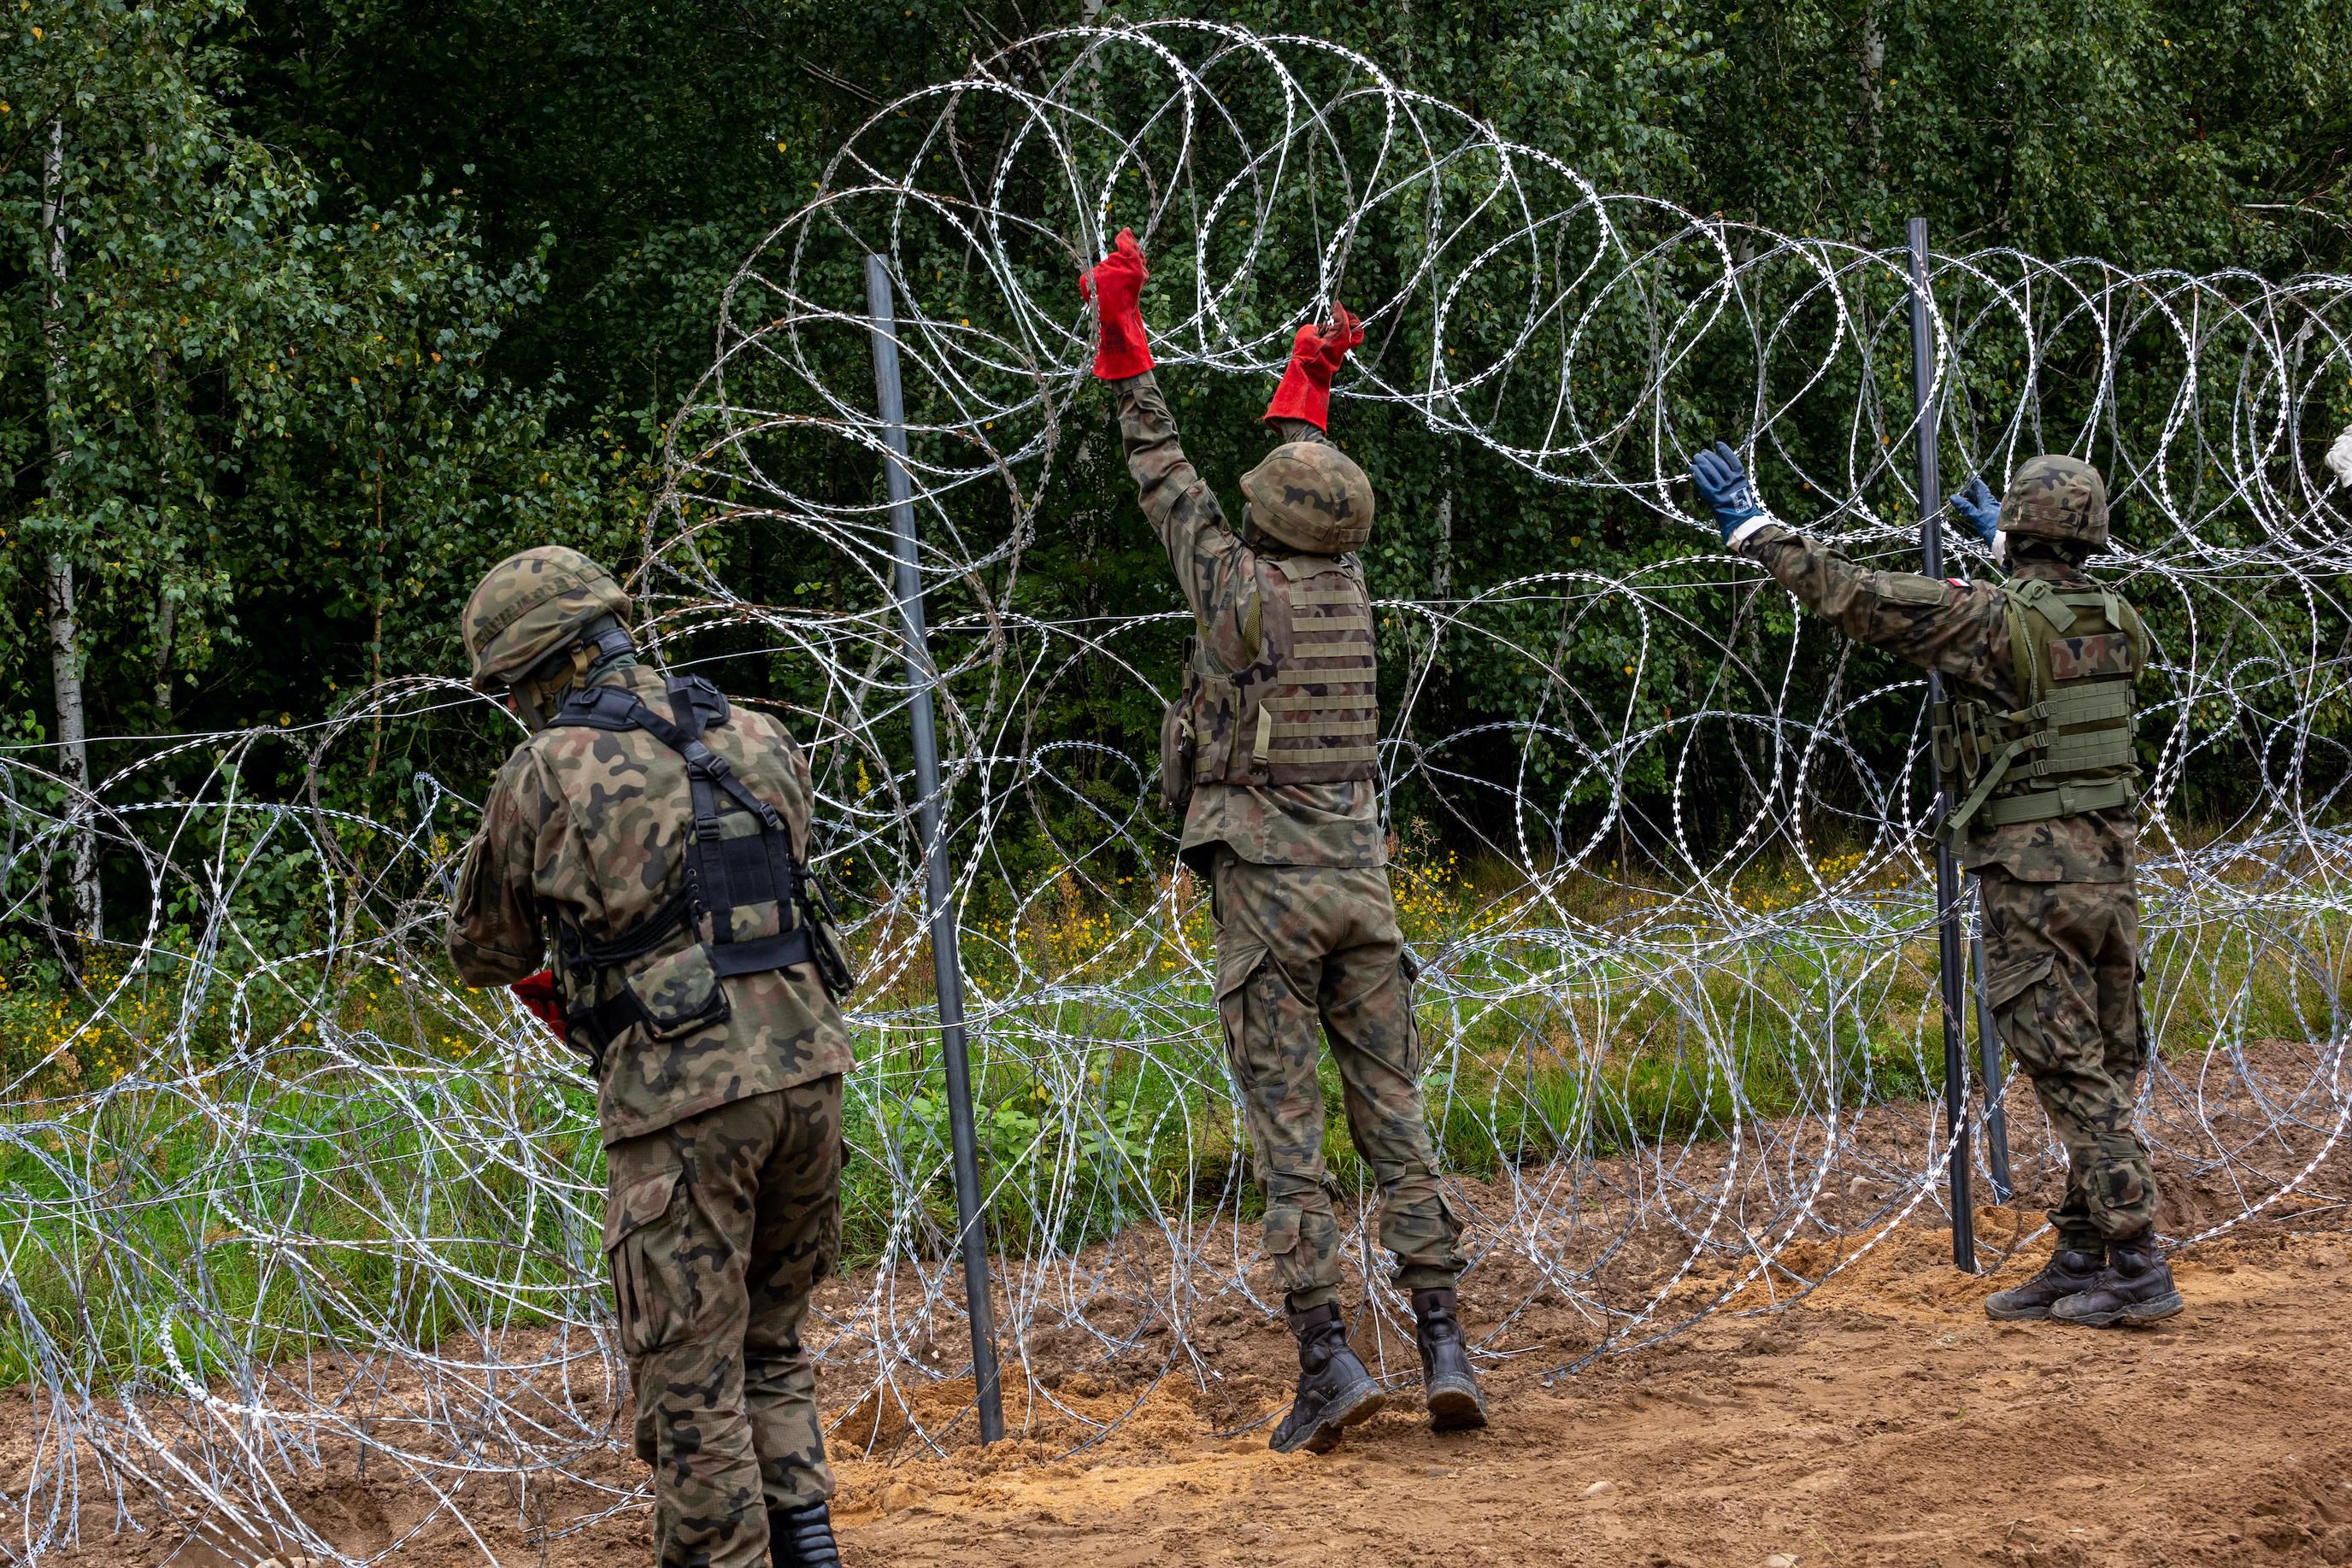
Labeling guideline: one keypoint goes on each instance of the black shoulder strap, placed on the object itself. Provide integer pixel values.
(723, 874)
(597, 707)
(700, 705)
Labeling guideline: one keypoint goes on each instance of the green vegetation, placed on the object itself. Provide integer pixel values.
(413, 1181)
(314, 307)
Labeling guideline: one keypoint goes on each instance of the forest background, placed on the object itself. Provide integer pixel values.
(311, 309)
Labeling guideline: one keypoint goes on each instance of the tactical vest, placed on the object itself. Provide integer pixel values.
(1308, 711)
(2070, 748)
(747, 905)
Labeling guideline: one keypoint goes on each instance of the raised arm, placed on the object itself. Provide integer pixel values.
(1960, 631)
(1215, 570)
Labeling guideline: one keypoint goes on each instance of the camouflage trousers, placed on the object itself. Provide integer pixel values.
(2062, 967)
(1299, 946)
(717, 1228)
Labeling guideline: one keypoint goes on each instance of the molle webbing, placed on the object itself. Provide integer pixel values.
(1314, 716)
(746, 896)
(2071, 748)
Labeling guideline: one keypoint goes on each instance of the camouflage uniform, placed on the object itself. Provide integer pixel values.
(1306, 926)
(719, 1228)
(720, 1105)
(2060, 913)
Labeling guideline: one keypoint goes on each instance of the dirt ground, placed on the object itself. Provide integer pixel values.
(1884, 1420)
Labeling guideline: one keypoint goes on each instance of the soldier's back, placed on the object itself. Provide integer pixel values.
(614, 873)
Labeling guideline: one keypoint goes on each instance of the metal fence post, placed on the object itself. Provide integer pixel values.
(1950, 953)
(939, 911)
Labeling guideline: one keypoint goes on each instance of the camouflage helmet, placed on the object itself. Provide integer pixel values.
(532, 605)
(1310, 496)
(2057, 499)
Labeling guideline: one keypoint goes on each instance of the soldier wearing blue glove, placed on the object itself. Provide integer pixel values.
(2041, 736)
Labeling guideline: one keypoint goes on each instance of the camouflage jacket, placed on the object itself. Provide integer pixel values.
(1223, 580)
(587, 828)
(1964, 632)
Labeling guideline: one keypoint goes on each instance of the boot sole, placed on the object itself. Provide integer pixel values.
(2154, 1311)
(1358, 1405)
(2022, 1314)
(1454, 1408)
(2016, 1314)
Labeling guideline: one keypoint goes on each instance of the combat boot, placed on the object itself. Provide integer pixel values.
(2136, 1287)
(801, 1538)
(2068, 1272)
(1451, 1393)
(1335, 1392)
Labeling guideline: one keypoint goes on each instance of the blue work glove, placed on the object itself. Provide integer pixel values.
(1980, 507)
(1723, 485)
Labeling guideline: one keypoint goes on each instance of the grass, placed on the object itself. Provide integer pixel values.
(379, 1171)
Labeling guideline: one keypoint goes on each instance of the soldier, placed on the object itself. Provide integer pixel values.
(2041, 736)
(659, 836)
(1271, 744)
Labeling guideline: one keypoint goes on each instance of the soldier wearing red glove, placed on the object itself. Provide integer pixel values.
(1270, 754)
(704, 984)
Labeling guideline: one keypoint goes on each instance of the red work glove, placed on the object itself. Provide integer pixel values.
(1114, 285)
(1315, 355)
(537, 993)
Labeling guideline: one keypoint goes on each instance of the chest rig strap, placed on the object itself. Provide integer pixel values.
(2071, 748)
(738, 860)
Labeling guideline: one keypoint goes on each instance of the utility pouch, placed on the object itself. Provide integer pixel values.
(822, 924)
(679, 993)
(1178, 743)
(745, 893)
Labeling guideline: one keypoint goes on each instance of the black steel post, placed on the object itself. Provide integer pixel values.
(1949, 952)
(939, 911)
(1996, 1116)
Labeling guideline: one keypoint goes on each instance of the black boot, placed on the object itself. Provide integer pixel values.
(1335, 1392)
(1454, 1403)
(801, 1538)
(2068, 1272)
(2136, 1287)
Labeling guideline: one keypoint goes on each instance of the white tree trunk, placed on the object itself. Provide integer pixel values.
(65, 646)
(1441, 571)
(167, 623)
(1873, 63)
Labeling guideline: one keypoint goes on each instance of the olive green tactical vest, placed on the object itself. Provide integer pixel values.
(2070, 748)
(1313, 718)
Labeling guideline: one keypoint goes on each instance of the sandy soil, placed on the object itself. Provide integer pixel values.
(1880, 1420)
(1886, 1420)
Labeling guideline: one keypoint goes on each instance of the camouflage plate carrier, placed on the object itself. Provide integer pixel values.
(2071, 747)
(1307, 712)
(748, 902)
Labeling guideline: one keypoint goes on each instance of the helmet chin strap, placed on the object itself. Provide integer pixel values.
(538, 693)
(1252, 535)
(524, 707)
